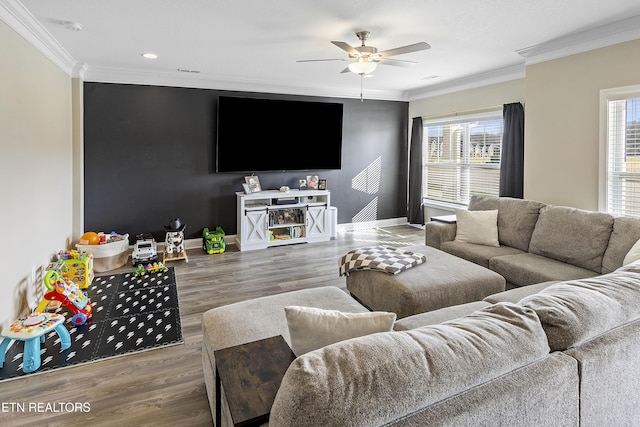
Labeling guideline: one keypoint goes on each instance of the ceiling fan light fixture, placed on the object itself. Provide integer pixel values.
(362, 67)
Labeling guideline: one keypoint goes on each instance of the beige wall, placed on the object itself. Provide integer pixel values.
(469, 101)
(563, 118)
(36, 169)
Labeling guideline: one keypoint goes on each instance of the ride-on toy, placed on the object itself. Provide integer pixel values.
(69, 295)
(145, 250)
(156, 267)
(213, 240)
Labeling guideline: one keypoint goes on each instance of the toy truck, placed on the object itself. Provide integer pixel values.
(145, 250)
(213, 241)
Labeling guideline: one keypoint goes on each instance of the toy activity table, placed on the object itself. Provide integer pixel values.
(32, 330)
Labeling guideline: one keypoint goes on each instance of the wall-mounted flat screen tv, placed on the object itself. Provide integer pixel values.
(255, 134)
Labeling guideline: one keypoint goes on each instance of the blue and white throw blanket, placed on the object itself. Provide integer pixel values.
(379, 258)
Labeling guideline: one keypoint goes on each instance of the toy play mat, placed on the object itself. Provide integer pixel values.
(130, 314)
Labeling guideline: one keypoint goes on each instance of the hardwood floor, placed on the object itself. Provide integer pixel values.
(165, 387)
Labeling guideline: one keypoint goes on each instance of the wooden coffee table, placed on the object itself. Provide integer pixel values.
(251, 375)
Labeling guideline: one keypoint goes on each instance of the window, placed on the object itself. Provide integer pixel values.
(461, 157)
(621, 183)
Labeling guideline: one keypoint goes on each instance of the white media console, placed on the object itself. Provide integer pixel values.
(272, 218)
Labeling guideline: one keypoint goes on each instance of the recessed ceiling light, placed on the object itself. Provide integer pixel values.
(150, 55)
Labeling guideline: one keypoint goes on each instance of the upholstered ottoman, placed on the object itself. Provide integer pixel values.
(443, 281)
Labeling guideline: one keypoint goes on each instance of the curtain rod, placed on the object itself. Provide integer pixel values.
(470, 111)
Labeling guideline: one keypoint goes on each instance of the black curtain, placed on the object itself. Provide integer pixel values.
(512, 159)
(415, 214)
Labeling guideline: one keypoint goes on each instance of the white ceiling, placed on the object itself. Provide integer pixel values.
(254, 44)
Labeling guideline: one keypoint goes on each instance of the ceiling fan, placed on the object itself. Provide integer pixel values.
(366, 58)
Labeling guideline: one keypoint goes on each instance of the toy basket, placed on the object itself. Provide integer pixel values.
(108, 256)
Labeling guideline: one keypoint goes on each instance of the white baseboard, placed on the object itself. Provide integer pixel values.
(341, 228)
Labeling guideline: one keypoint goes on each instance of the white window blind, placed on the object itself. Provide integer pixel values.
(461, 157)
(623, 155)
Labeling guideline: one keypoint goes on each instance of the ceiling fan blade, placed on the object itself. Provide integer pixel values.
(346, 47)
(395, 62)
(346, 70)
(405, 49)
(320, 60)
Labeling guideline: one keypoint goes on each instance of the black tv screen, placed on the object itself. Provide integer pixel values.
(257, 134)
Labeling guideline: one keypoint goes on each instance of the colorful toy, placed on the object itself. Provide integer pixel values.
(156, 267)
(145, 250)
(69, 294)
(213, 241)
(75, 265)
(32, 330)
(90, 238)
(174, 241)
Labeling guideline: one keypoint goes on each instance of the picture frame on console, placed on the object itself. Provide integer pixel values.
(254, 183)
(312, 182)
(302, 184)
(246, 188)
(322, 184)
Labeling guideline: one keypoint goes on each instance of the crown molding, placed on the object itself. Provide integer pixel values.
(16, 16)
(594, 38)
(499, 75)
(203, 81)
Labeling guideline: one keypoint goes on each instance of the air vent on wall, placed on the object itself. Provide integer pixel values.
(182, 70)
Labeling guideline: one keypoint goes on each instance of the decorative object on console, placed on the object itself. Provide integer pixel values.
(174, 241)
(312, 182)
(312, 328)
(322, 184)
(478, 227)
(254, 183)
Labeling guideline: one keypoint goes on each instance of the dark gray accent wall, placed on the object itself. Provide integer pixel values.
(149, 157)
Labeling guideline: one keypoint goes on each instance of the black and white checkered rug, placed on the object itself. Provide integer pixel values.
(130, 314)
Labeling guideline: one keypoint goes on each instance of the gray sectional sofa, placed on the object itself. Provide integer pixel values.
(540, 243)
(561, 354)
(562, 348)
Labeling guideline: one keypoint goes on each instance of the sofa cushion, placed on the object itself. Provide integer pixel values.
(516, 218)
(375, 379)
(527, 269)
(626, 232)
(438, 316)
(478, 227)
(576, 311)
(516, 294)
(478, 254)
(575, 236)
(312, 328)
